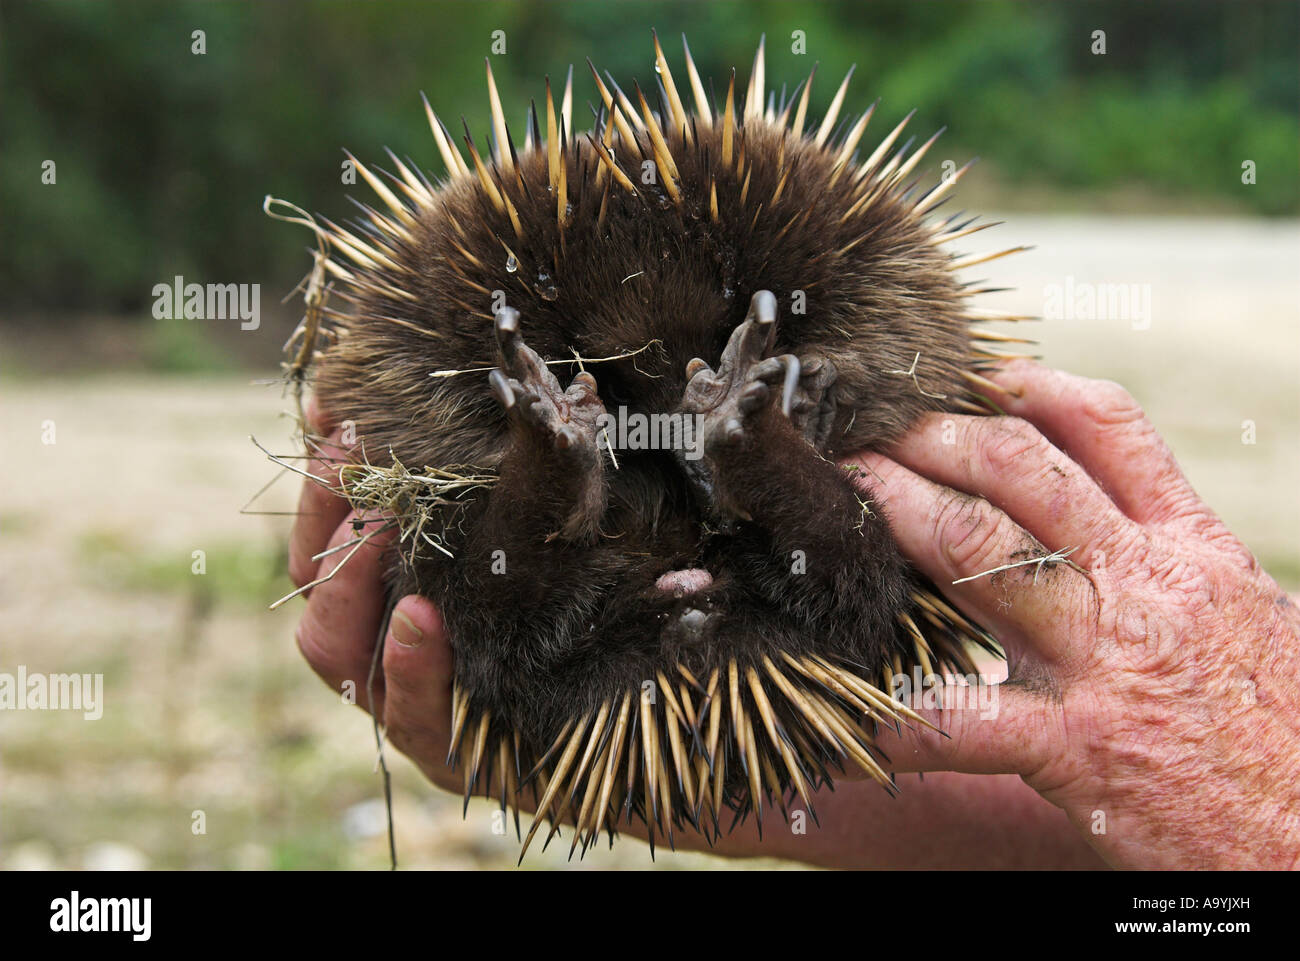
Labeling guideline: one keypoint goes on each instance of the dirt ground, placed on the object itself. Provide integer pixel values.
(210, 716)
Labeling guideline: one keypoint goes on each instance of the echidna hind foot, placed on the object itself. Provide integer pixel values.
(662, 631)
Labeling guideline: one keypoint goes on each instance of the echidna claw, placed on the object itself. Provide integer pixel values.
(507, 320)
(507, 326)
(792, 369)
(762, 307)
(806, 396)
(787, 370)
(501, 388)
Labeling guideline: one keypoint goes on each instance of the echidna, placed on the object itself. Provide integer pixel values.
(661, 630)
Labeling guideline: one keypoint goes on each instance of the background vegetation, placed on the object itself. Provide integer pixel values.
(164, 156)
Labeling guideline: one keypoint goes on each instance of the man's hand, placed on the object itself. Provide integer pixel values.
(1154, 689)
(338, 630)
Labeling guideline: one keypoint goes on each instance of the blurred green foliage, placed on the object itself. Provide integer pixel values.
(163, 156)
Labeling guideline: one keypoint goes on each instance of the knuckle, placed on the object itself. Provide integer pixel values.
(1147, 635)
(1108, 405)
(1185, 583)
(307, 645)
(301, 571)
(321, 658)
(1008, 447)
(966, 528)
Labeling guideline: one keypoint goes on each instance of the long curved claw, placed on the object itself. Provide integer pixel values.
(762, 313)
(753, 338)
(501, 388)
(785, 370)
(791, 383)
(507, 327)
(762, 307)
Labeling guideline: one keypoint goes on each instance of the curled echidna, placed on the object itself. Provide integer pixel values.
(600, 383)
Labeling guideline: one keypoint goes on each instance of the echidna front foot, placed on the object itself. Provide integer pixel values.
(553, 430)
(531, 393)
(806, 397)
(745, 377)
(726, 399)
(748, 390)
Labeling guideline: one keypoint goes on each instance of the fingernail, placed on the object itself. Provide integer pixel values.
(404, 630)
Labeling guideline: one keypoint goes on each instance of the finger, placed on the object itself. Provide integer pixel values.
(987, 729)
(320, 510)
(1013, 466)
(952, 536)
(417, 685)
(338, 630)
(1101, 426)
(939, 821)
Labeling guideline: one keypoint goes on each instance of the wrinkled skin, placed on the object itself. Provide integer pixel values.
(1154, 690)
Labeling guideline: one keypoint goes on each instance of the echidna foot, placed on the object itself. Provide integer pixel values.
(810, 405)
(727, 399)
(529, 391)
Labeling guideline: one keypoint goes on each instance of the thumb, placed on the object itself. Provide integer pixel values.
(417, 685)
(982, 729)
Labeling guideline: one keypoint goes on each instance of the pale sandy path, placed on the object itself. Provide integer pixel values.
(1223, 346)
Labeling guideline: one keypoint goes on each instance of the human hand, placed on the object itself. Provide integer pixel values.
(345, 610)
(1156, 698)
